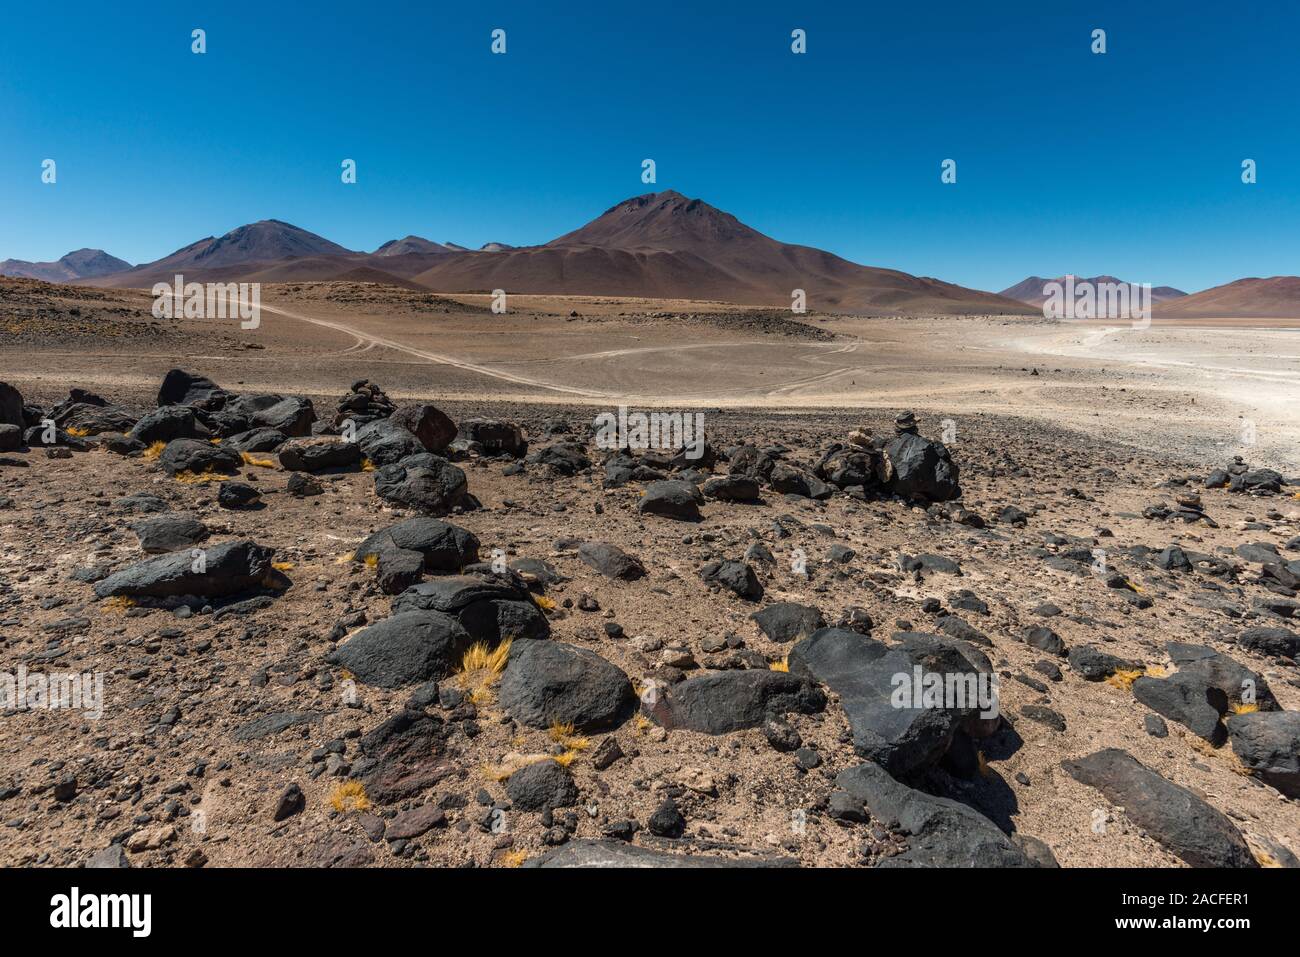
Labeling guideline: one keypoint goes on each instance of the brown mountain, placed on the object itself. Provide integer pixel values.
(257, 244)
(411, 244)
(78, 264)
(668, 246)
(661, 245)
(1031, 290)
(1275, 298)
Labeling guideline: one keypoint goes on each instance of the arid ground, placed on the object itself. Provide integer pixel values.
(1082, 427)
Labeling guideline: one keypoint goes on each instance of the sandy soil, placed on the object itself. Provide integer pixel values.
(1110, 417)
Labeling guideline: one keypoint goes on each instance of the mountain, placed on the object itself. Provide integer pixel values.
(661, 245)
(1031, 290)
(266, 241)
(78, 264)
(411, 244)
(665, 245)
(1275, 298)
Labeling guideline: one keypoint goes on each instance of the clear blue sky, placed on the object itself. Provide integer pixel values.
(1125, 163)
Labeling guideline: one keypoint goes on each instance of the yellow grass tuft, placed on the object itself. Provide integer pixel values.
(372, 560)
(200, 478)
(573, 743)
(480, 668)
(1123, 678)
(154, 450)
(282, 566)
(544, 603)
(250, 459)
(1157, 671)
(349, 796)
(1242, 707)
(120, 603)
(345, 558)
(782, 665)
(77, 432)
(367, 465)
(514, 858)
(642, 724)
(216, 441)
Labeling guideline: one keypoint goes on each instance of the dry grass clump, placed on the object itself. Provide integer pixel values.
(154, 450)
(1123, 678)
(480, 668)
(120, 603)
(200, 478)
(349, 796)
(250, 459)
(782, 665)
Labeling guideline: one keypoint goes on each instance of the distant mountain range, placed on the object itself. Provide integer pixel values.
(660, 245)
(1031, 290)
(79, 264)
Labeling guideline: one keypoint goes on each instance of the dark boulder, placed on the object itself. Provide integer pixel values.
(920, 469)
(732, 700)
(1268, 743)
(221, 570)
(787, 621)
(611, 561)
(199, 458)
(318, 454)
(445, 547)
(541, 785)
(168, 423)
(673, 499)
(429, 424)
(169, 533)
(736, 576)
(1185, 825)
(434, 486)
(550, 682)
(187, 388)
(408, 647)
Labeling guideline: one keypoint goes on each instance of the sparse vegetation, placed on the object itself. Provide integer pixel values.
(349, 796)
(480, 668)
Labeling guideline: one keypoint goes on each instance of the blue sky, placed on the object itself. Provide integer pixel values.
(1126, 163)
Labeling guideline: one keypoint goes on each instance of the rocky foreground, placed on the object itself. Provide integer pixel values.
(350, 632)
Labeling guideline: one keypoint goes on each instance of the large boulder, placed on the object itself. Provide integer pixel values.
(732, 488)
(541, 786)
(849, 466)
(169, 533)
(611, 561)
(918, 468)
(384, 442)
(291, 415)
(434, 486)
(198, 457)
(221, 570)
(940, 832)
(445, 547)
(492, 437)
(1268, 743)
(735, 576)
(1278, 642)
(187, 388)
(1183, 823)
(550, 682)
(85, 418)
(319, 454)
(673, 499)
(11, 406)
(255, 440)
(429, 424)
(787, 621)
(170, 422)
(732, 700)
(408, 647)
(878, 689)
(491, 608)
